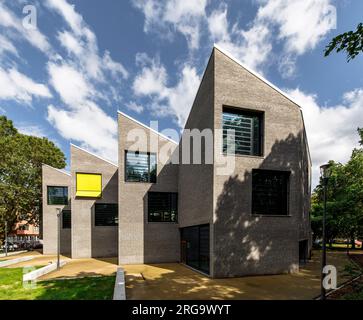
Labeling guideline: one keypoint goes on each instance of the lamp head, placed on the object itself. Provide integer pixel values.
(325, 171)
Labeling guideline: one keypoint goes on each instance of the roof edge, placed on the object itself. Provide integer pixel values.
(147, 127)
(256, 74)
(93, 154)
(59, 170)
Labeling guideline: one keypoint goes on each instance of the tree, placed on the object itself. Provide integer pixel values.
(351, 42)
(21, 160)
(344, 199)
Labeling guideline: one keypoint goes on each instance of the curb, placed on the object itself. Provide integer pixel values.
(42, 271)
(13, 253)
(15, 261)
(119, 292)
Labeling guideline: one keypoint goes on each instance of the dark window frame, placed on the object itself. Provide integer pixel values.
(170, 194)
(57, 204)
(97, 224)
(287, 175)
(247, 112)
(65, 222)
(149, 163)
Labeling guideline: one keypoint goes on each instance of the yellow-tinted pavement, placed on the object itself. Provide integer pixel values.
(175, 281)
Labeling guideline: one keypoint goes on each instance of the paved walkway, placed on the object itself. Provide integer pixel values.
(174, 281)
(73, 269)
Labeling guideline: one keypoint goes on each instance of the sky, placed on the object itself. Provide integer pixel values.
(66, 77)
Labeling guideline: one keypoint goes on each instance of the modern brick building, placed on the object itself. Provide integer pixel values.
(252, 219)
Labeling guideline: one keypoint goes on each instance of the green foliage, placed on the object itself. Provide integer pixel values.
(351, 42)
(344, 200)
(21, 160)
(88, 288)
(352, 270)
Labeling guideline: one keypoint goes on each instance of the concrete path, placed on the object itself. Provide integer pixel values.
(75, 268)
(174, 281)
(84, 268)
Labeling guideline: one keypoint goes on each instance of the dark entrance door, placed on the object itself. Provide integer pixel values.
(195, 247)
(303, 251)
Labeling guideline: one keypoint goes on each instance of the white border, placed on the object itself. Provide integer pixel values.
(256, 74)
(95, 155)
(59, 170)
(147, 127)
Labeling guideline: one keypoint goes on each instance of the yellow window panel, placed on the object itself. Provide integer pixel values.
(89, 185)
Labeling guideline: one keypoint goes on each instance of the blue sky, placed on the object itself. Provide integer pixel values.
(67, 78)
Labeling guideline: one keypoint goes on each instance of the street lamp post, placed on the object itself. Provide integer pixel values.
(59, 214)
(6, 238)
(325, 171)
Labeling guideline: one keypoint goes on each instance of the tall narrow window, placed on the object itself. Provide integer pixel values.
(106, 214)
(66, 219)
(162, 207)
(270, 192)
(57, 195)
(140, 167)
(247, 128)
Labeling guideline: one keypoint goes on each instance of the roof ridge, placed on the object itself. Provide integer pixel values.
(93, 154)
(59, 170)
(256, 74)
(147, 127)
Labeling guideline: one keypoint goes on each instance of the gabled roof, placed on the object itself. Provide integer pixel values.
(95, 155)
(145, 126)
(59, 170)
(256, 74)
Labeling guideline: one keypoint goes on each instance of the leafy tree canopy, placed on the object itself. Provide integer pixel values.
(351, 42)
(21, 160)
(344, 199)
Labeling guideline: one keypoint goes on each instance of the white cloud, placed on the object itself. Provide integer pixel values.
(70, 84)
(184, 16)
(17, 86)
(331, 130)
(302, 23)
(133, 106)
(75, 125)
(33, 36)
(81, 44)
(176, 100)
(31, 130)
(7, 46)
(151, 79)
(298, 24)
(251, 46)
(77, 78)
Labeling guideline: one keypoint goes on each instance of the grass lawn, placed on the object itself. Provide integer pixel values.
(89, 288)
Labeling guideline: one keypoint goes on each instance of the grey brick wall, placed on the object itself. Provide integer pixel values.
(246, 244)
(139, 240)
(87, 239)
(54, 177)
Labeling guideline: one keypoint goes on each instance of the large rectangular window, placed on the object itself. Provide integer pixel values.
(88, 185)
(247, 128)
(270, 192)
(66, 219)
(140, 167)
(106, 214)
(162, 207)
(57, 195)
